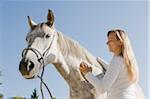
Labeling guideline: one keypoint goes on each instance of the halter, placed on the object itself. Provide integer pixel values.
(42, 63)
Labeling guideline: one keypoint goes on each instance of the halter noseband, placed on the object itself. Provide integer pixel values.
(36, 52)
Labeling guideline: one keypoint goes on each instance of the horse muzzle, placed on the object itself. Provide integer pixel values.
(25, 67)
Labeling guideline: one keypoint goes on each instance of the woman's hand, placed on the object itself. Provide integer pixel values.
(84, 68)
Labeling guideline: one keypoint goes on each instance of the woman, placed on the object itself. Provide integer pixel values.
(120, 80)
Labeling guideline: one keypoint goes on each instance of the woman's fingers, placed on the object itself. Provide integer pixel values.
(84, 68)
(83, 64)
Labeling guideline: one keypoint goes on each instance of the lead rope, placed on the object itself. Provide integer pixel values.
(40, 77)
(42, 82)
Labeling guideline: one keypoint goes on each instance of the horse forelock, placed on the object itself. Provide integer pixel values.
(36, 32)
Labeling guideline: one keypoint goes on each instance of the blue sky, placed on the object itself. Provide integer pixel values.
(85, 21)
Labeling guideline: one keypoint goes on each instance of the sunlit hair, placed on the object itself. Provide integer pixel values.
(128, 54)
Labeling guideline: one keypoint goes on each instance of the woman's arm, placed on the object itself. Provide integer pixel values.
(102, 62)
(104, 84)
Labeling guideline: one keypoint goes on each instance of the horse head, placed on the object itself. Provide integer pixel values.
(41, 48)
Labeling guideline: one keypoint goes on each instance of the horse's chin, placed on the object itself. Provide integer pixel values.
(29, 77)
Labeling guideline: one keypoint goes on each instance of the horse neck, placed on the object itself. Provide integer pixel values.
(67, 59)
(71, 54)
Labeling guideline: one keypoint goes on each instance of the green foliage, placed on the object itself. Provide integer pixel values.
(34, 95)
(1, 96)
(17, 97)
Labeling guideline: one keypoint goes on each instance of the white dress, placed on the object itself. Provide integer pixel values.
(115, 82)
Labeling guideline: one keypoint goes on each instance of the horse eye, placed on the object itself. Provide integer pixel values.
(47, 36)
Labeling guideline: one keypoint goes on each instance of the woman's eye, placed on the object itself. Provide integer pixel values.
(47, 36)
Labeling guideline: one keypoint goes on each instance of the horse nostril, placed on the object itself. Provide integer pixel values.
(23, 65)
(26, 65)
(31, 66)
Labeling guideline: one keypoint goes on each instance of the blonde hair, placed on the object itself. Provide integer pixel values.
(128, 55)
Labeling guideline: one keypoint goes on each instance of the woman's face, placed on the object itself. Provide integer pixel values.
(114, 44)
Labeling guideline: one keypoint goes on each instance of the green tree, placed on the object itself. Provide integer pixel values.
(34, 95)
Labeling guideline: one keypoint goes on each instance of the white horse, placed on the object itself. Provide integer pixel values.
(48, 46)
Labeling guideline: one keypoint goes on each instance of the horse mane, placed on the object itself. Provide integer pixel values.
(71, 47)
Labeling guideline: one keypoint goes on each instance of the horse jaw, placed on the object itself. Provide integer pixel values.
(51, 58)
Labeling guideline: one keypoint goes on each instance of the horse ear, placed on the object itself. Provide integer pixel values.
(32, 24)
(50, 18)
